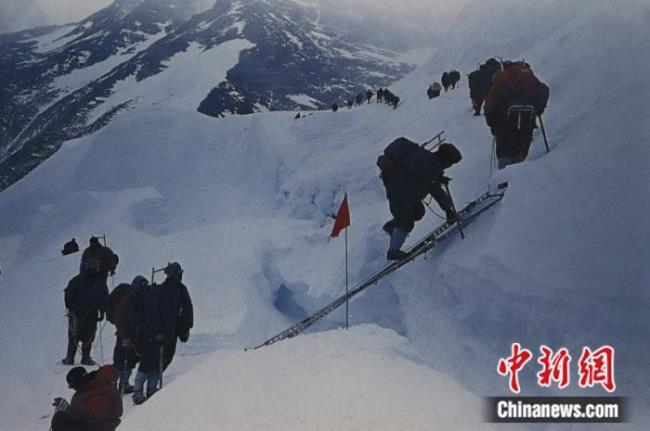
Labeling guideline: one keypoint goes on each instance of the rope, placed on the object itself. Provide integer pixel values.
(428, 205)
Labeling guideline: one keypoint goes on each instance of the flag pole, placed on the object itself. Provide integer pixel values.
(347, 300)
(342, 222)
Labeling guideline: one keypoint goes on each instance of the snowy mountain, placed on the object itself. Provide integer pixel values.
(49, 76)
(62, 83)
(244, 203)
(297, 63)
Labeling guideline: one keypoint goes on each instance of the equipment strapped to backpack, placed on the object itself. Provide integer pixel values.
(421, 163)
(399, 150)
(521, 116)
(439, 139)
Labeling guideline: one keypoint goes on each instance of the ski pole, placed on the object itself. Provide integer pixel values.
(493, 156)
(541, 123)
(453, 207)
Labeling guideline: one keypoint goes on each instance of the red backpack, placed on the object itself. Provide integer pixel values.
(520, 86)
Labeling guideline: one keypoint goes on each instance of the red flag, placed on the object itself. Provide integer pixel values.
(342, 218)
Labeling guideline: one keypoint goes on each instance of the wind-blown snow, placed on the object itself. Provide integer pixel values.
(245, 204)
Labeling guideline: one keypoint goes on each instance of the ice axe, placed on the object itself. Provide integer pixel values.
(155, 271)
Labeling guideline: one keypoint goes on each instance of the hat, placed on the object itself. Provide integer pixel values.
(173, 269)
(449, 154)
(76, 376)
(139, 281)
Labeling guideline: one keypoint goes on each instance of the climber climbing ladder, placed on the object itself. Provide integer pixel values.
(444, 231)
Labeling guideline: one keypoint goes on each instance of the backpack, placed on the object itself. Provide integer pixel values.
(523, 87)
(114, 298)
(70, 247)
(404, 153)
(112, 259)
(474, 79)
(395, 154)
(520, 117)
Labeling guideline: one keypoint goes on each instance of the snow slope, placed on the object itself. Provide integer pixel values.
(244, 204)
(339, 381)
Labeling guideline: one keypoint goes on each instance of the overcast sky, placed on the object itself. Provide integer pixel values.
(30, 13)
(61, 11)
(21, 14)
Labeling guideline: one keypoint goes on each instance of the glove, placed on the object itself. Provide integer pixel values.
(60, 405)
(184, 336)
(160, 338)
(444, 180)
(127, 343)
(451, 216)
